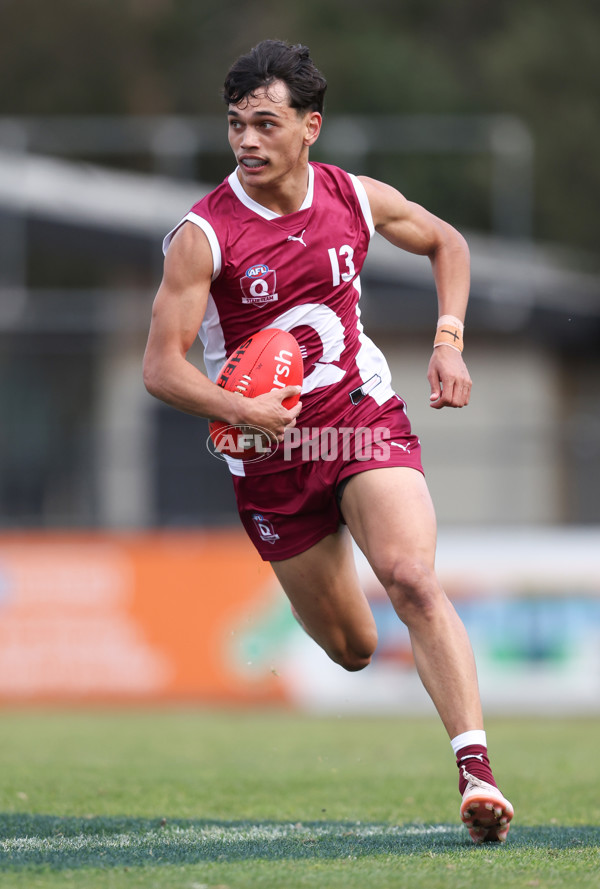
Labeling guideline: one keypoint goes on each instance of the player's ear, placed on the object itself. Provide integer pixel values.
(312, 123)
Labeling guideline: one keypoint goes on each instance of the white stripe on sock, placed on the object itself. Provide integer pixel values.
(477, 736)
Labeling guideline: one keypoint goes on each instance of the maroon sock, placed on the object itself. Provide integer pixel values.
(474, 760)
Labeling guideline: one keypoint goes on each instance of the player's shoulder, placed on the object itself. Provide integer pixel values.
(339, 182)
(385, 201)
(330, 172)
(188, 253)
(204, 225)
(344, 189)
(212, 200)
(382, 191)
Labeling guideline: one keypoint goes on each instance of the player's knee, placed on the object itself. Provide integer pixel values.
(352, 661)
(413, 588)
(355, 656)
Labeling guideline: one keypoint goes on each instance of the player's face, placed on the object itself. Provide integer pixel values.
(270, 140)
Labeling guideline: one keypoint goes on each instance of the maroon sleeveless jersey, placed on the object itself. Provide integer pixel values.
(299, 272)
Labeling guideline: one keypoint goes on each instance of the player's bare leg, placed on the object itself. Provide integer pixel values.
(323, 588)
(398, 536)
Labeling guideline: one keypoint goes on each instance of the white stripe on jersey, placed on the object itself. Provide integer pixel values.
(251, 204)
(210, 234)
(363, 200)
(211, 335)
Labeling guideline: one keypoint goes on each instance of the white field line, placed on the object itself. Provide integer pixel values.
(228, 835)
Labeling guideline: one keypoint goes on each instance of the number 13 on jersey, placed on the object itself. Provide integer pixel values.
(345, 253)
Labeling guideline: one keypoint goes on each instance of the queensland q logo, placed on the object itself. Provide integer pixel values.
(259, 288)
(239, 442)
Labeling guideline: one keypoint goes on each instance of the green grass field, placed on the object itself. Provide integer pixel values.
(255, 800)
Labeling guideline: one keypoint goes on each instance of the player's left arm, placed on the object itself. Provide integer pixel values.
(413, 228)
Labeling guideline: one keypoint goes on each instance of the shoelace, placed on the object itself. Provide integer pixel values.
(472, 779)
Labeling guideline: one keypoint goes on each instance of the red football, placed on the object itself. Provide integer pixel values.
(267, 360)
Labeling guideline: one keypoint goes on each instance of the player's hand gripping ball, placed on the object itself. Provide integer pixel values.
(267, 360)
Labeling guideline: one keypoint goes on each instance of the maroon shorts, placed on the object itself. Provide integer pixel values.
(287, 512)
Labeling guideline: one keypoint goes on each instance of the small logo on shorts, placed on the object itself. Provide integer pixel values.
(265, 528)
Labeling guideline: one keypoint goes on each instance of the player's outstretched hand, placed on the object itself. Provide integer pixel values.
(268, 411)
(449, 379)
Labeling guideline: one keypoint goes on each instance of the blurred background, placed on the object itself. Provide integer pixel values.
(114, 517)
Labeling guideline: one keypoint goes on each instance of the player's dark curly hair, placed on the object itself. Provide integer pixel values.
(273, 60)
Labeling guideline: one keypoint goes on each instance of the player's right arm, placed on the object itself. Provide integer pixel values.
(177, 314)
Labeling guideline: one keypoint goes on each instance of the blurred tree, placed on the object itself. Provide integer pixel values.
(544, 66)
(537, 60)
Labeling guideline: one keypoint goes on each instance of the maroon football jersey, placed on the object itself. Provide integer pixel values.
(299, 272)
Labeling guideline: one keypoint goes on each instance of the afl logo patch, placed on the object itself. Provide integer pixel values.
(256, 271)
(259, 285)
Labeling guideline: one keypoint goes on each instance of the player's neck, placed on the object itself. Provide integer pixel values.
(281, 197)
